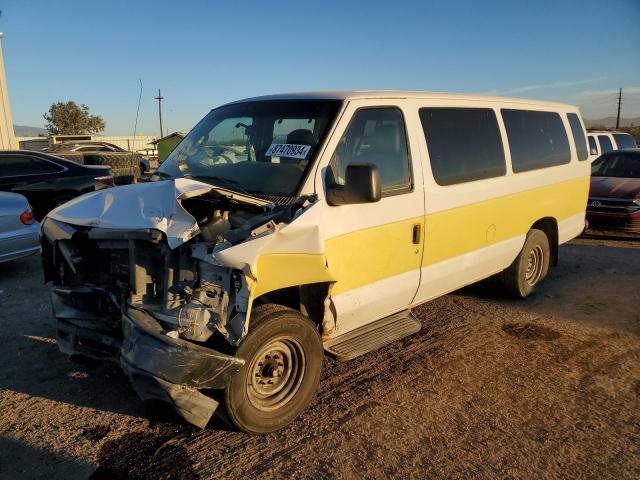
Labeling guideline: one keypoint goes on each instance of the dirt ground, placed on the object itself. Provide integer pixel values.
(491, 387)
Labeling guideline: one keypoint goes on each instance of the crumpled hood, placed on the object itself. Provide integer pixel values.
(139, 206)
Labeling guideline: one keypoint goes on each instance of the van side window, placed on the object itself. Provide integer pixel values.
(536, 139)
(578, 136)
(593, 147)
(624, 140)
(464, 144)
(376, 135)
(605, 144)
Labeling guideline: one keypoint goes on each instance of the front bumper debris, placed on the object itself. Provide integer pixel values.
(159, 367)
(175, 360)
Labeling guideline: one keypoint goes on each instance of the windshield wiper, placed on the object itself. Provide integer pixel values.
(232, 184)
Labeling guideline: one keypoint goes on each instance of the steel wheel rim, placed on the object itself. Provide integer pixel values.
(276, 373)
(535, 262)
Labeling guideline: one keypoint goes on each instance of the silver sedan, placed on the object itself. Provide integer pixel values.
(19, 232)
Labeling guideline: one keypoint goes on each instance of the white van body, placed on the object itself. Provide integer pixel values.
(403, 197)
(603, 141)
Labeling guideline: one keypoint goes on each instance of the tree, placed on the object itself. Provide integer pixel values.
(70, 119)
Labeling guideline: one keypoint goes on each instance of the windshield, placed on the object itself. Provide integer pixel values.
(620, 165)
(624, 140)
(260, 148)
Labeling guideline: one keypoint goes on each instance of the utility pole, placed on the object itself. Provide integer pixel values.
(619, 103)
(160, 98)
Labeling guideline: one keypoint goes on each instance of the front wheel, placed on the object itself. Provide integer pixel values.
(283, 360)
(530, 267)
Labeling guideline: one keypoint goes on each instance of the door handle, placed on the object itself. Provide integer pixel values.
(415, 236)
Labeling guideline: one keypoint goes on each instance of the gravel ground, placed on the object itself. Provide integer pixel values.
(547, 387)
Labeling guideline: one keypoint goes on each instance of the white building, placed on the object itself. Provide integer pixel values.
(7, 140)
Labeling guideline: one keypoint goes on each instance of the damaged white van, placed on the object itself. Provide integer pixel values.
(286, 227)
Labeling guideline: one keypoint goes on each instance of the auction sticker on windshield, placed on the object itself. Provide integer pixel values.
(288, 150)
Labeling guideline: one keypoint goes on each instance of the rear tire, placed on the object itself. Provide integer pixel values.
(283, 354)
(530, 267)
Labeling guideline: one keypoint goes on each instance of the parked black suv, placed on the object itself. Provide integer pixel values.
(122, 162)
(49, 181)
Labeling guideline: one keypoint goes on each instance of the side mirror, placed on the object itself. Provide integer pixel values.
(361, 185)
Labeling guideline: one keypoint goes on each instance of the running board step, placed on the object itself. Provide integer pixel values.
(373, 336)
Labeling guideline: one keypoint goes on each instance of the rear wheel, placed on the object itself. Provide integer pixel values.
(283, 354)
(530, 267)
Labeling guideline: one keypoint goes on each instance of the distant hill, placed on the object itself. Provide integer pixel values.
(610, 122)
(24, 131)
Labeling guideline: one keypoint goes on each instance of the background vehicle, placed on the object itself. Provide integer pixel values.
(19, 232)
(49, 181)
(604, 141)
(614, 197)
(91, 152)
(310, 223)
(84, 146)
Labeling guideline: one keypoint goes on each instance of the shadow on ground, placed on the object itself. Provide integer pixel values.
(19, 460)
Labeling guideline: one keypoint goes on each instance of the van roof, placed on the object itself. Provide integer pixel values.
(355, 94)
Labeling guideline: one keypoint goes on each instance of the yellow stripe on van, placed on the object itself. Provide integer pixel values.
(365, 256)
(461, 230)
(375, 252)
(280, 270)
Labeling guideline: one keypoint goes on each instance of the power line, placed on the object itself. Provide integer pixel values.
(135, 127)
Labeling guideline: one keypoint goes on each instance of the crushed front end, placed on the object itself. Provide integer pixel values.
(153, 298)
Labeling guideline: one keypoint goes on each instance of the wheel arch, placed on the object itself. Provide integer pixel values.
(549, 225)
(312, 300)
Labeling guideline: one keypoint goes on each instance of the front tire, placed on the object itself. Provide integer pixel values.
(283, 354)
(530, 267)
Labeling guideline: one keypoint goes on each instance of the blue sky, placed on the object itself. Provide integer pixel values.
(202, 53)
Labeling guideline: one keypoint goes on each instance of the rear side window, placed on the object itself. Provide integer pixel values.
(18, 165)
(578, 136)
(593, 147)
(536, 139)
(605, 144)
(624, 140)
(464, 144)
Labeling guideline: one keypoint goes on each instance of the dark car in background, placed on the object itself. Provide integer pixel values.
(614, 197)
(89, 147)
(49, 181)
